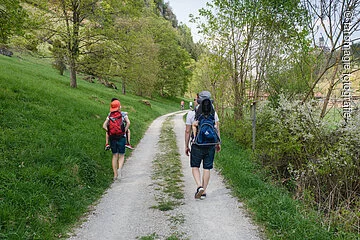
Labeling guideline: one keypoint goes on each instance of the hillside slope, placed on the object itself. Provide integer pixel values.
(53, 164)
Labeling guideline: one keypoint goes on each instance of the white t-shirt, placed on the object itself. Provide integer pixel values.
(190, 118)
(123, 114)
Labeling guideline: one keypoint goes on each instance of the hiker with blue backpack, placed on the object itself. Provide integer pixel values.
(116, 124)
(202, 139)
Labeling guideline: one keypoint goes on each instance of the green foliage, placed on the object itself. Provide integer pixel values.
(119, 41)
(256, 41)
(12, 18)
(186, 41)
(58, 51)
(238, 130)
(334, 177)
(212, 72)
(53, 164)
(173, 75)
(318, 163)
(271, 206)
(141, 58)
(290, 75)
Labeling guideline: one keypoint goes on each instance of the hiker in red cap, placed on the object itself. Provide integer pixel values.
(116, 125)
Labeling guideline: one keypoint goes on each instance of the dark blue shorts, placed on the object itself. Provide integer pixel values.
(203, 154)
(117, 145)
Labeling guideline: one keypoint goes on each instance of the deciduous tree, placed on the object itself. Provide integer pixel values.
(249, 34)
(333, 24)
(12, 18)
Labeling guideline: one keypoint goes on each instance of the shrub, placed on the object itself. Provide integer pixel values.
(317, 161)
(288, 135)
(334, 179)
(238, 130)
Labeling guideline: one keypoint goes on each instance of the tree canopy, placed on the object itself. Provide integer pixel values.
(12, 18)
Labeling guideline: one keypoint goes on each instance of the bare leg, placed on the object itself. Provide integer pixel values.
(115, 158)
(196, 175)
(121, 159)
(128, 136)
(206, 178)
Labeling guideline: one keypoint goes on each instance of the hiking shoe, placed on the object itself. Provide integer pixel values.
(199, 192)
(203, 196)
(107, 147)
(129, 146)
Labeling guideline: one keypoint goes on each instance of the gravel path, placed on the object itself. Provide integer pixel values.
(125, 212)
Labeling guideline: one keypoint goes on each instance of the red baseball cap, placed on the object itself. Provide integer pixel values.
(115, 105)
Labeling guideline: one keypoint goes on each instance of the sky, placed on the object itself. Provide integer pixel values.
(182, 9)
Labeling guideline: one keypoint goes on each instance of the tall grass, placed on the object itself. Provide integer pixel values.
(52, 160)
(273, 207)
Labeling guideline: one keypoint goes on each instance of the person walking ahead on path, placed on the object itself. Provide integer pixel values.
(200, 154)
(127, 134)
(116, 132)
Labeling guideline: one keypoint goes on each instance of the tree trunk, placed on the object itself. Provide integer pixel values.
(330, 90)
(237, 96)
(73, 82)
(238, 103)
(326, 101)
(123, 87)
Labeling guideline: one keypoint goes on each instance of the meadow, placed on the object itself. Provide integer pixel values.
(53, 164)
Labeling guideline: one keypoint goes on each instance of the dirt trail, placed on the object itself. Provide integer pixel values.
(125, 210)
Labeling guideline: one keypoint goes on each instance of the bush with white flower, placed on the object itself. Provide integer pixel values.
(316, 160)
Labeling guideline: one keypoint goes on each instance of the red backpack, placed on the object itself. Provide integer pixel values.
(116, 125)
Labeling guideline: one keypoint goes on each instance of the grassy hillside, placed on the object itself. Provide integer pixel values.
(53, 164)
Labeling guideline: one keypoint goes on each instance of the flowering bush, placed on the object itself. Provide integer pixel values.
(288, 135)
(319, 160)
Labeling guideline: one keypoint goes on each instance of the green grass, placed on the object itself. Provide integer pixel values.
(167, 172)
(53, 164)
(270, 206)
(152, 236)
(167, 178)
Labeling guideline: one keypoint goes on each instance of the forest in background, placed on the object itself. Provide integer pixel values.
(293, 54)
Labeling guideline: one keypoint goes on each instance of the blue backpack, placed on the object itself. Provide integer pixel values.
(207, 134)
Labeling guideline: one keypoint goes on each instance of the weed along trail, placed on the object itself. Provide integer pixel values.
(155, 197)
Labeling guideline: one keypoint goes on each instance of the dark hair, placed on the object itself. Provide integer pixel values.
(197, 97)
(113, 99)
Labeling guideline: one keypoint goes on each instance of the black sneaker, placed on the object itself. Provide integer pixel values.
(199, 192)
(203, 196)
